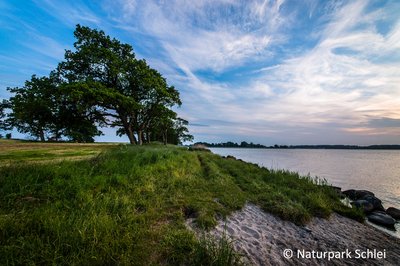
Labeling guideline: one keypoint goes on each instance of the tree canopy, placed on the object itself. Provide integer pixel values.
(100, 83)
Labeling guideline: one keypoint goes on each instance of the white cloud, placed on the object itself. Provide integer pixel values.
(208, 35)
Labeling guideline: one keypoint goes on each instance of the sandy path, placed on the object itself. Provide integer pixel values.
(262, 238)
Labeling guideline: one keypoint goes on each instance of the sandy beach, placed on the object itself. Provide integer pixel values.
(265, 239)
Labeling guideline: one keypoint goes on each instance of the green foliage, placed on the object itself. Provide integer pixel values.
(170, 129)
(32, 107)
(44, 107)
(132, 95)
(3, 106)
(100, 83)
(128, 206)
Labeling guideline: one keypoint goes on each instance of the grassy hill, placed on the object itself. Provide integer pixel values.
(122, 204)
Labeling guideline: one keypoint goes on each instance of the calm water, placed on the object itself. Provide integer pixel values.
(374, 170)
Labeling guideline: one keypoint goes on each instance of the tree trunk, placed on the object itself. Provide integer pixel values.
(131, 136)
(148, 137)
(41, 136)
(140, 137)
(57, 135)
(165, 137)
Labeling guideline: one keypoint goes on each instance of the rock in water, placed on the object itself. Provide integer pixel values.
(395, 213)
(381, 218)
(377, 203)
(350, 194)
(357, 194)
(366, 206)
(362, 193)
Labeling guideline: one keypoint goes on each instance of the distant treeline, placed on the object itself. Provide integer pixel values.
(347, 147)
(230, 144)
(244, 144)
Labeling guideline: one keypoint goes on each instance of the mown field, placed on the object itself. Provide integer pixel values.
(127, 205)
(15, 151)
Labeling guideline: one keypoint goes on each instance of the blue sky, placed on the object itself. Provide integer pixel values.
(284, 71)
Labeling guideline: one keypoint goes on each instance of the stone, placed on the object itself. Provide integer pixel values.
(366, 206)
(357, 194)
(362, 193)
(350, 194)
(377, 203)
(395, 213)
(381, 218)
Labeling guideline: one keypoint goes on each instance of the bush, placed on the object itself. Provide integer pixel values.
(8, 136)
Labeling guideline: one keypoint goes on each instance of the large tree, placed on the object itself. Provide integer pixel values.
(126, 91)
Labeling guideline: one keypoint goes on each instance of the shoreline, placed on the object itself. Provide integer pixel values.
(262, 238)
(372, 206)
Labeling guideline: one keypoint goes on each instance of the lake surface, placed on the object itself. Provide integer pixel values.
(374, 170)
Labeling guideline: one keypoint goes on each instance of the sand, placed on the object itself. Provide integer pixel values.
(262, 238)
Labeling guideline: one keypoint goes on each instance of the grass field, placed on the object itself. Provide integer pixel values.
(15, 151)
(128, 204)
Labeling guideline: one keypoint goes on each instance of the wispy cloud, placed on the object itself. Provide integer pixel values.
(323, 86)
(208, 35)
(69, 12)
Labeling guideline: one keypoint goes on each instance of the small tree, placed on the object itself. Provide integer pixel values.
(31, 107)
(180, 132)
(168, 128)
(46, 106)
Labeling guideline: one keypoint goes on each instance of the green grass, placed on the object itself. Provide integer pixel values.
(17, 151)
(128, 206)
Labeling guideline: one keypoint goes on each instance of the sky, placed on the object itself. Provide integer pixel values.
(264, 71)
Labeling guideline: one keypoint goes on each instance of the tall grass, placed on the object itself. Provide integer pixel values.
(128, 206)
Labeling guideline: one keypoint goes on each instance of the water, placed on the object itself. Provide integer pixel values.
(374, 170)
